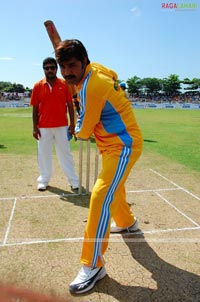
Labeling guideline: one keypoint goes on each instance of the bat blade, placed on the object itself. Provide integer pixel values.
(55, 40)
(53, 33)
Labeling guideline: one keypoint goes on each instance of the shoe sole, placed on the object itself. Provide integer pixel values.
(43, 188)
(99, 276)
(75, 189)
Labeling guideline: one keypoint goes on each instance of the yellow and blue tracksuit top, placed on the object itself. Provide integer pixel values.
(105, 111)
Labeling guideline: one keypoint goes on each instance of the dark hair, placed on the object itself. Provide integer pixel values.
(71, 49)
(50, 60)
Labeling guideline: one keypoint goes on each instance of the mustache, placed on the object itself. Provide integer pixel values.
(69, 77)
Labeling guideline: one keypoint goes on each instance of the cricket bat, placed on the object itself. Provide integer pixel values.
(55, 40)
(53, 33)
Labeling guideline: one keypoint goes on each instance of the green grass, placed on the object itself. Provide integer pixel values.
(173, 133)
(16, 132)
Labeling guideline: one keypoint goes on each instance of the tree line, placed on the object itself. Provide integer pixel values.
(13, 87)
(169, 86)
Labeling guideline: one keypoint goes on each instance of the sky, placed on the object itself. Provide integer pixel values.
(132, 37)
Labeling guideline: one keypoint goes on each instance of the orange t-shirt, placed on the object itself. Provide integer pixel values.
(51, 103)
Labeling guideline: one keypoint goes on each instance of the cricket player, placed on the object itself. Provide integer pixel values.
(123, 87)
(106, 113)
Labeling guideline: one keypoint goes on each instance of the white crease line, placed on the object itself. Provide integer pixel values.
(44, 241)
(41, 196)
(180, 212)
(45, 196)
(115, 238)
(162, 240)
(172, 230)
(51, 196)
(9, 222)
(152, 190)
(74, 194)
(186, 191)
(7, 198)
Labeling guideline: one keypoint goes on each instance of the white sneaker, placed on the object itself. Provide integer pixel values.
(133, 228)
(86, 279)
(41, 187)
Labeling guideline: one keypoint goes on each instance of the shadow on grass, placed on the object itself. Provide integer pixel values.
(149, 141)
(2, 147)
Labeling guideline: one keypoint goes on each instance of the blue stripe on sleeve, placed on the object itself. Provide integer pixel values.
(82, 95)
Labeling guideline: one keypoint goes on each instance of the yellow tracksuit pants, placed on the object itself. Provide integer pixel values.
(108, 200)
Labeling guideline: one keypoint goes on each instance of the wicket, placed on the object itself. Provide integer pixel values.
(88, 164)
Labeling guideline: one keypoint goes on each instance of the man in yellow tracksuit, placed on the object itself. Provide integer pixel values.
(106, 113)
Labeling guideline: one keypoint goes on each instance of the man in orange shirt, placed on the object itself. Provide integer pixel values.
(51, 100)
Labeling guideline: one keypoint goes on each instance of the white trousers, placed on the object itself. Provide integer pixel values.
(49, 138)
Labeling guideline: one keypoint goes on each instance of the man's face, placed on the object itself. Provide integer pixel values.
(50, 71)
(73, 70)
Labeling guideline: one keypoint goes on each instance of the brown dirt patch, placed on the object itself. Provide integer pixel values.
(41, 233)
